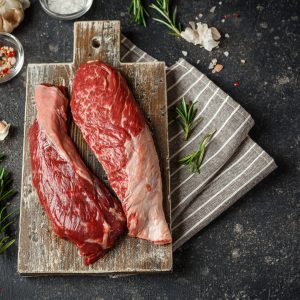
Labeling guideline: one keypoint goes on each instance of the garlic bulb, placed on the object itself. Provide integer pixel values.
(202, 35)
(11, 15)
(4, 129)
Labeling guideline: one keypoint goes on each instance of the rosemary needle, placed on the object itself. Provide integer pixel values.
(187, 117)
(5, 194)
(138, 12)
(162, 7)
(195, 159)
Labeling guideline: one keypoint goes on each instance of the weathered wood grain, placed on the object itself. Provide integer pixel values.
(41, 252)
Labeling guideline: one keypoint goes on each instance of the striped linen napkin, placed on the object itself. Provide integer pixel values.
(233, 164)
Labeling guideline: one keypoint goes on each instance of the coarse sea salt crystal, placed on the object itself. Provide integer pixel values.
(202, 35)
(226, 53)
(218, 68)
(184, 53)
(214, 61)
(210, 66)
(226, 35)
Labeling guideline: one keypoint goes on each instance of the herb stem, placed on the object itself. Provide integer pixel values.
(187, 117)
(138, 12)
(162, 7)
(195, 159)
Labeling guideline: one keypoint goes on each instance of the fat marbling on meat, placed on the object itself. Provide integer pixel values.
(113, 125)
(80, 207)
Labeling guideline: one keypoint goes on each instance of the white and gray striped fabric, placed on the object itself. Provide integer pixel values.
(233, 163)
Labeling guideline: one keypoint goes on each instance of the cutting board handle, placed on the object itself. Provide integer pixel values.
(97, 40)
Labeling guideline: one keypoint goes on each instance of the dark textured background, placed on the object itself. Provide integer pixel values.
(252, 250)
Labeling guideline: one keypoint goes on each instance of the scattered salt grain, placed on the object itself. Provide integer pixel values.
(276, 37)
(197, 18)
(184, 53)
(259, 7)
(211, 66)
(214, 61)
(220, 3)
(226, 53)
(243, 61)
(223, 20)
(226, 35)
(264, 25)
(198, 61)
(200, 15)
(212, 10)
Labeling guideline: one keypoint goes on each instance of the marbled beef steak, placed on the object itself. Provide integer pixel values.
(112, 124)
(80, 207)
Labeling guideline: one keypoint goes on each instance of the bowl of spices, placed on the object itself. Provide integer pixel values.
(66, 9)
(11, 57)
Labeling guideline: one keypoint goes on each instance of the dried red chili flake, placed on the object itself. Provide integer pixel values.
(238, 15)
(236, 84)
(11, 54)
(5, 71)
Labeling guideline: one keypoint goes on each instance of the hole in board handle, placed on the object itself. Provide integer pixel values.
(95, 42)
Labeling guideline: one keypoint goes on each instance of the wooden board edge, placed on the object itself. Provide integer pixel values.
(25, 273)
(23, 171)
(168, 160)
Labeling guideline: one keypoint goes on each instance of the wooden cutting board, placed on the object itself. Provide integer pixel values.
(41, 252)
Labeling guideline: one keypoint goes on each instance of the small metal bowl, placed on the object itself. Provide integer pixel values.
(64, 14)
(9, 40)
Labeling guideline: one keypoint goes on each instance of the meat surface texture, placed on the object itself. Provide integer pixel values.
(80, 207)
(112, 124)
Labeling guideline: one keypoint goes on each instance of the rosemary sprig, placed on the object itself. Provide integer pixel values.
(5, 193)
(138, 12)
(169, 20)
(195, 159)
(187, 115)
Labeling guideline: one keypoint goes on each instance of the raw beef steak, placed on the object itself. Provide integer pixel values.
(80, 207)
(112, 124)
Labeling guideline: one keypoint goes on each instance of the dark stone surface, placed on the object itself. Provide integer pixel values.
(252, 250)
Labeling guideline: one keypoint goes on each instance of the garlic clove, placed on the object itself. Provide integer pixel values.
(4, 129)
(25, 3)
